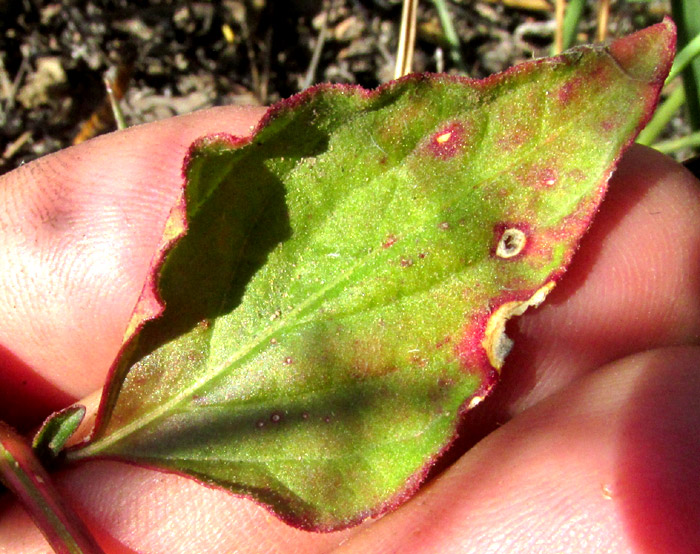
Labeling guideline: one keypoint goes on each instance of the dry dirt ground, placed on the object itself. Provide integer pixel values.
(175, 56)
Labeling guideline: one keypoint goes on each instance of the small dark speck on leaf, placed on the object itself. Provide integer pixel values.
(389, 241)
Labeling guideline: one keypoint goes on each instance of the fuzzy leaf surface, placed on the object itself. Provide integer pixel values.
(334, 284)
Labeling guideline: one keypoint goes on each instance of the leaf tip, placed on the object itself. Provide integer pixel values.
(647, 55)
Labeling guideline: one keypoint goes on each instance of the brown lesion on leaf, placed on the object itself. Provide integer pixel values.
(496, 343)
(512, 241)
(204, 324)
(389, 241)
(442, 342)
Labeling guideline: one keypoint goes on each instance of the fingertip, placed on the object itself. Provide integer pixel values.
(79, 228)
(657, 459)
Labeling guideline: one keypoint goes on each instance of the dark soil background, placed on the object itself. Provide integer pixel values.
(174, 57)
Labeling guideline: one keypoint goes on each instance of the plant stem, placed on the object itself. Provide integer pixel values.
(572, 17)
(21, 472)
(664, 113)
(114, 103)
(450, 34)
(603, 17)
(689, 141)
(559, 9)
(407, 39)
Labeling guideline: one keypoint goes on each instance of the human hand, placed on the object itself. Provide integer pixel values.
(591, 457)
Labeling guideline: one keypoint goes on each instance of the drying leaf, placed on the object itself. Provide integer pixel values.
(336, 285)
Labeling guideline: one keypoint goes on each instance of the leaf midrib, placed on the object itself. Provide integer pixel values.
(254, 345)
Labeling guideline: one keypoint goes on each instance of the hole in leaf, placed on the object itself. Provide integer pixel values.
(511, 243)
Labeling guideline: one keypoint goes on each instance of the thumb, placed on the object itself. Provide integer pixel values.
(77, 230)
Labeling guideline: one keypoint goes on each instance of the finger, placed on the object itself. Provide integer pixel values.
(607, 465)
(130, 509)
(77, 231)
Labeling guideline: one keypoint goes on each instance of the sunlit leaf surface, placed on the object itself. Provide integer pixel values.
(338, 298)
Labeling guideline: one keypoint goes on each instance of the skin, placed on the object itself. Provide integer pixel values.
(589, 444)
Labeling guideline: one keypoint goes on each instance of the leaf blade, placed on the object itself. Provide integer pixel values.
(341, 290)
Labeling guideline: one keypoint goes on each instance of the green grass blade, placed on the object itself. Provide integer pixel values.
(574, 12)
(669, 146)
(684, 58)
(22, 473)
(662, 116)
(450, 34)
(685, 14)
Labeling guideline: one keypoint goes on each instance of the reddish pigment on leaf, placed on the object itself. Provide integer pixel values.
(540, 176)
(514, 136)
(611, 124)
(389, 241)
(566, 93)
(576, 175)
(443, 342)
(448, 141)
(471, 353)
(626, 50)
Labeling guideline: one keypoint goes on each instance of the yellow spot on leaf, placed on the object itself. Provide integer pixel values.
(444, 137)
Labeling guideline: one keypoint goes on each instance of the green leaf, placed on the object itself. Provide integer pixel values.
(339, 295)
(51, 438)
